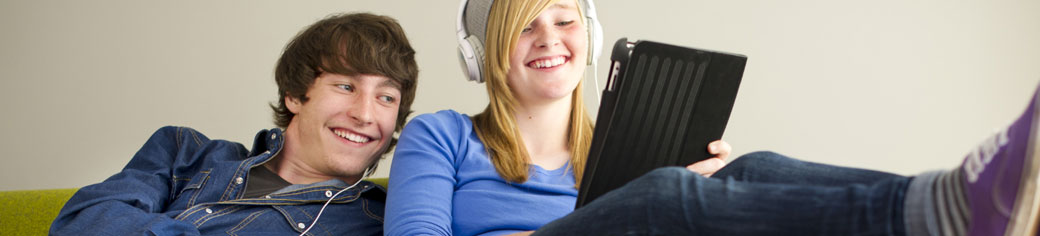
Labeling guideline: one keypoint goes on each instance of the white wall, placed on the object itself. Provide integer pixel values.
(902, 86)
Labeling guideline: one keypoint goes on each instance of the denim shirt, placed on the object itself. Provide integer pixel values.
(182, 183)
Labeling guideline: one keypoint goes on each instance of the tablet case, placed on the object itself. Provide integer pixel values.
(662, 105)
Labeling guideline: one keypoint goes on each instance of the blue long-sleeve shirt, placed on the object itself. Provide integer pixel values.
(442, 182)
(183, 183)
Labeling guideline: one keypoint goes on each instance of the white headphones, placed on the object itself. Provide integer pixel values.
(471, 44)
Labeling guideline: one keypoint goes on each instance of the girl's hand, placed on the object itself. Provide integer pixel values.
(707, 167)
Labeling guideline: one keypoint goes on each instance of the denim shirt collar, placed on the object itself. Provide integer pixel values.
(266, 145)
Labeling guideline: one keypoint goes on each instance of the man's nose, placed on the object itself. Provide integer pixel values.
(361, 110)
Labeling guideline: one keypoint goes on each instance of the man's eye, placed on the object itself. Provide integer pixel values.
(388, 99)
(346, 87)
(564, 23)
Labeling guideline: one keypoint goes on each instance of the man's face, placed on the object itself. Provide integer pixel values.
(345, 125)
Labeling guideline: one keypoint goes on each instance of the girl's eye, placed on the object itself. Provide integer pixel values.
(345, 87)
(528, 29)
(564, 23)
(388, 99)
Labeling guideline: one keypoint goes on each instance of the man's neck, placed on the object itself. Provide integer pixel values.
(295, 170)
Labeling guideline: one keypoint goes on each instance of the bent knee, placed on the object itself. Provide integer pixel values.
(663, 177)
(665, 173)
(759, 158)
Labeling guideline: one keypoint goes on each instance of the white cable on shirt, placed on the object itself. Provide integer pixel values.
(595, 80)
(330, 200)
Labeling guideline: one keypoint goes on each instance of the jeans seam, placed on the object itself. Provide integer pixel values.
(177, 136)
(222, 212)
(288, 217)
(231, 185)
(195, 136)
(364, 207)
(683, 205)
(188, 212)
(249, 219)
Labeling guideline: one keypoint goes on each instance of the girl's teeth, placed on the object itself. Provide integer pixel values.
(548, 63)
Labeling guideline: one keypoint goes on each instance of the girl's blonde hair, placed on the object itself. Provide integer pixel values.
(496, 126)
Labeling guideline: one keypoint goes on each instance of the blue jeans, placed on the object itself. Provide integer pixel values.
(760, 193)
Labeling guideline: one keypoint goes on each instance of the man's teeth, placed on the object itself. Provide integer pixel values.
(352, 137)
(547, 63)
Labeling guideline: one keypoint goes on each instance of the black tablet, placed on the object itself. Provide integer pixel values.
(662, 105)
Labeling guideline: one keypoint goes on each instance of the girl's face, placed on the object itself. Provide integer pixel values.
(550, 57)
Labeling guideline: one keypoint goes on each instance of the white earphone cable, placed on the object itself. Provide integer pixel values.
(330, 200)
(595, 79)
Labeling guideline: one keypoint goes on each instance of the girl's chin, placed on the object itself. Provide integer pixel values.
(555, 94)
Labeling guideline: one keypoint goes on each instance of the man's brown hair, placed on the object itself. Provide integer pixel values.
(347, 44)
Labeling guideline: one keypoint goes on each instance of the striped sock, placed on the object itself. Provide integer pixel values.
(936, 205)
(951, 203)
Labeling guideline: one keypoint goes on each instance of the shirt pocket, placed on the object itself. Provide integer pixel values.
(188, 195)
(373, 209)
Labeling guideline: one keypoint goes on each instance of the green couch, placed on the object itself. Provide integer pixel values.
(30, 212)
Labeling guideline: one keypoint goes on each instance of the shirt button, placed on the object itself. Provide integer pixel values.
(301, 225)
(274, 136)
(328, 193)
(208, 211)
(239, 180)
(268, 196)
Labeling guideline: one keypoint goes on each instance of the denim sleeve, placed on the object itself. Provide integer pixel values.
(131, 202)
(421, 184)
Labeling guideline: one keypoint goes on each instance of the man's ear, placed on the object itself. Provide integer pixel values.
(293, 104)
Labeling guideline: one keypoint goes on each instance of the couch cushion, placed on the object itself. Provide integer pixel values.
(30, 212)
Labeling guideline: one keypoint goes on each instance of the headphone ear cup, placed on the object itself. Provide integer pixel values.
(595, 31)
(465, 62)
(471, 57)
(476, 67)
(593, 56)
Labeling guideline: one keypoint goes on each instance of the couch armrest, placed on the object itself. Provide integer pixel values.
(30, 212)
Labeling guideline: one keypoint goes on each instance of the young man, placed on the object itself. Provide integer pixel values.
(345, 85)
